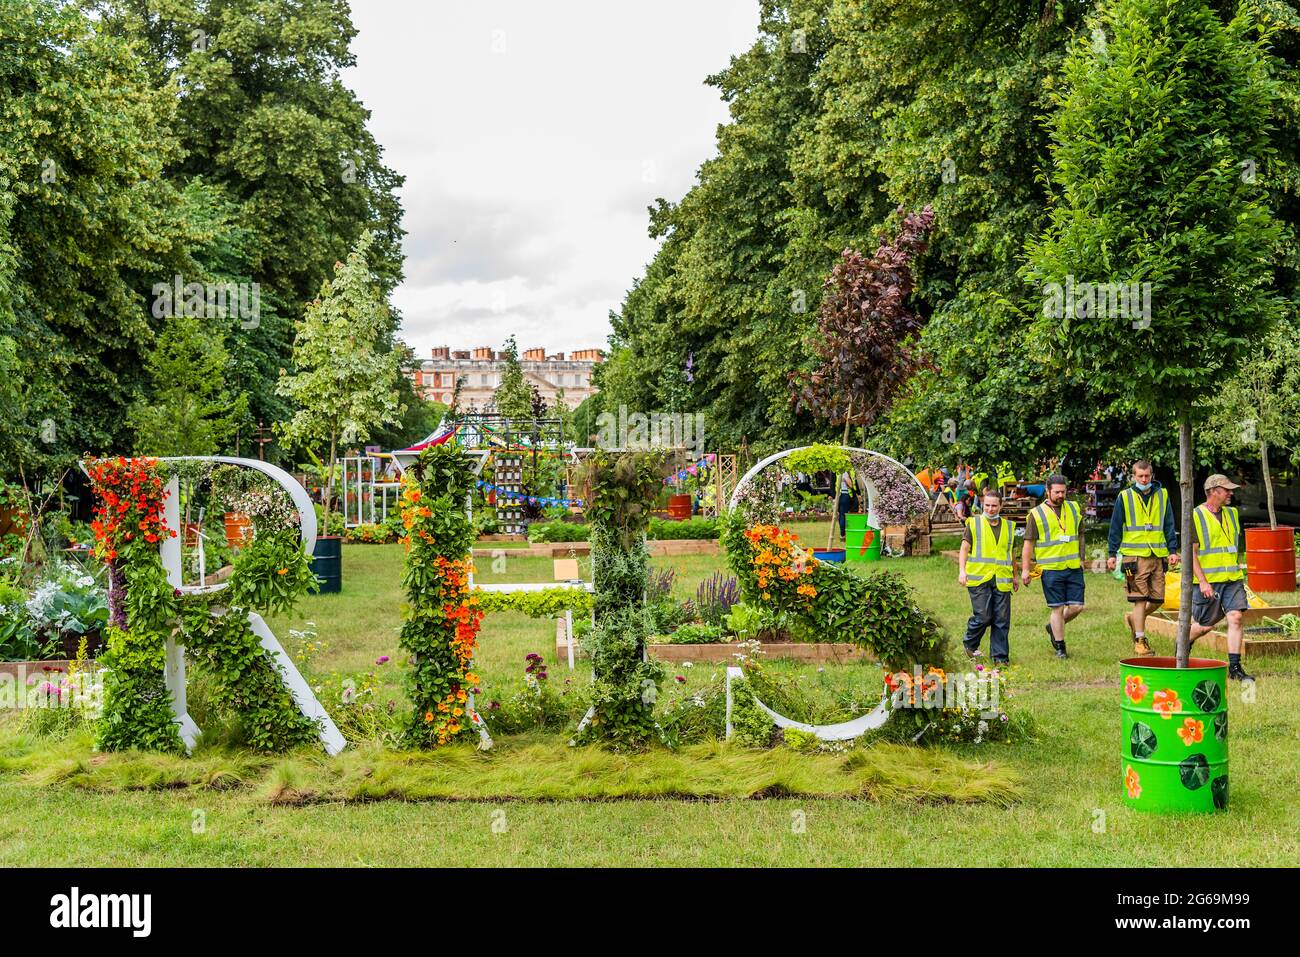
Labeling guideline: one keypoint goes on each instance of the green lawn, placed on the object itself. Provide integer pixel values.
(60, 805)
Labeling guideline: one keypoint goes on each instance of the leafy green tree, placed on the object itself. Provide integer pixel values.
(583, 423)
(1259, 408)
(187, 409)
(513, 397)
(266, 117)
(1150, 131)
(714, 290)
(345, 383)
(87, 223)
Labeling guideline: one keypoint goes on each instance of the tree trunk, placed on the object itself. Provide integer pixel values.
(835, 483)
(329, 480)
(1268, 485)
(1188, 578)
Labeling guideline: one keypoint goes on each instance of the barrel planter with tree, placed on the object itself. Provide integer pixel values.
(1259, 409)
(1175, 752)
(344, 385)
(1212, 271)
(1270, 558)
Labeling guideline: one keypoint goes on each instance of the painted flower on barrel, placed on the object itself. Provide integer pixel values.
(1167, 703)
(1132, 783)
(1192, 731)
(1135, 688)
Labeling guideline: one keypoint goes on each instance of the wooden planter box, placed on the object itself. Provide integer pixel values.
(1217, 640)
(667, 546)
(820, 653)
(21, 671)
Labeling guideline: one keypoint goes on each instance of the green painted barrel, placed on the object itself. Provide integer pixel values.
(861, 540)
(1175, 745)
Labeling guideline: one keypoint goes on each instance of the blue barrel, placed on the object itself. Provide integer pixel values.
(327, 564)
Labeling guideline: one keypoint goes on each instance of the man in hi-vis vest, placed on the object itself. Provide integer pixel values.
(1054, 541)
(987, 567)
(1145, 539)
(1220, 575)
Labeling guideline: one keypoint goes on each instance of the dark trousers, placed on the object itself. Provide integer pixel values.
(990, 609)
(848, 503)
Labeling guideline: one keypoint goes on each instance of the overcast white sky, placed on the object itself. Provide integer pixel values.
(533, 135)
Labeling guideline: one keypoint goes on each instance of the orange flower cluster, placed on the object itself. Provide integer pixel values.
(916, 690)
(463, 614)
(412, 511)
(131, 494)
(779, 560)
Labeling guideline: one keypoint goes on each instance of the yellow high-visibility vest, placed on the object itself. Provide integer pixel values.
(1057, 543)
(1216, 544)
(1144, 524)
(990, 555)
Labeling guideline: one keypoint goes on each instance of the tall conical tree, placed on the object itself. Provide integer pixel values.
(513, 396)
(1160, 150)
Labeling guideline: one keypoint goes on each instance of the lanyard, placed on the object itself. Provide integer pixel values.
(1060, 524)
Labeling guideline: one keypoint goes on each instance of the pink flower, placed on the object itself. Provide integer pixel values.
(382, 660)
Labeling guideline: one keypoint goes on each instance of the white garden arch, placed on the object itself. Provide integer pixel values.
(845, 730)
(870, 486)
(170, 552)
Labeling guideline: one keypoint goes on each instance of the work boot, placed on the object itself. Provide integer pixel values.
(1238, 673)
(1142, 647)
(1057, 646)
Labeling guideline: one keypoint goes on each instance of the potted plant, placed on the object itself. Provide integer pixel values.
(1259, 409)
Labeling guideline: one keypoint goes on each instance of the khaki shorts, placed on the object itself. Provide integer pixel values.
(1144, 578)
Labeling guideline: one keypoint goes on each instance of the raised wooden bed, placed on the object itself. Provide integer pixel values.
(821, 653)
(666, 546)
(23, 670)
(684, 546)
(1217, 640)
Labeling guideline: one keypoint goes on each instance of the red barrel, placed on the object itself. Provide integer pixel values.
(679, 506)
(1270, 558)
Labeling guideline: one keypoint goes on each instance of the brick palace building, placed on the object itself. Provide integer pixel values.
(480, 373)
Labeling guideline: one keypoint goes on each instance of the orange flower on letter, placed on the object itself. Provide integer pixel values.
(1192, 731)
(1131, 783)
(1135, 688)
(1166, 702)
